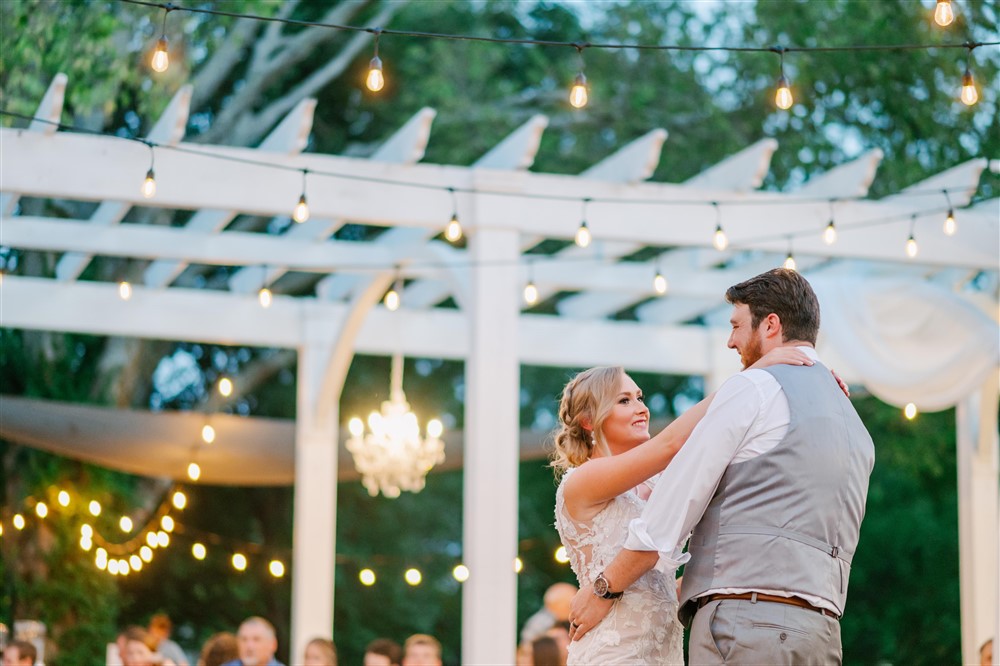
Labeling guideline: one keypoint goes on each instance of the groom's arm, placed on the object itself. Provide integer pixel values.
(678, 500)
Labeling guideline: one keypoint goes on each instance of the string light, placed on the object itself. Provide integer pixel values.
(783, 94)
(578, 94)
(146, 553)
(162, 539)
(943, 13)
(830, 233)
(583, 236)
(659, 283)
(561, 556)
(518, 565)
(179, 500)
(719, 240)
(910, 411)
(135, 563)
(367, 577)
(225, 387)
(453, 232)
(18, 521)
(41, 510)
(530, 290)
(460, 573)
(392, 299)
(790, 259)
(151, 540)
(375, 80)
(265, 297)
(950, 227)
(194, 471)
(86, 543)
(413, 577)
(969, 94)
(94, 507)
(123, 567)
(112, 567)
(207, 433)
(125, 524)
(167, 523)
(160, 60)
(911, 242)
(198, 551)
(276, 568)
(86, 531)
(239, 561)
(124, 290)
(301, 212)
(148, 188)
(63, 498)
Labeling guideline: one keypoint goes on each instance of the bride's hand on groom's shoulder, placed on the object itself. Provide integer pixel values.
(782, 356)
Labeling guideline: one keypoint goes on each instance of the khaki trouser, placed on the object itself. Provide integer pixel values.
(737, 631)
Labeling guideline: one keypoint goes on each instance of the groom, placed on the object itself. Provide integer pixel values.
(773, 484)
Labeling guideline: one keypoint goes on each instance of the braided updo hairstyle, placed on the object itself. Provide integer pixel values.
(588, 396)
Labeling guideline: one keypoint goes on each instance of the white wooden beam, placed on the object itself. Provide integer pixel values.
(49, 109)
(740, 172)
(633, 162)
(45, 166)
(289, 137)
(961, 181)
(406, 146)
(846, 180)
(169, 130)
(517, 151)
(199, 315)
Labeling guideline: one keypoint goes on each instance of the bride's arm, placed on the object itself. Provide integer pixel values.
(599, 480)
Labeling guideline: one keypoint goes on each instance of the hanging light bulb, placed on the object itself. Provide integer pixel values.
(583, 236)
(375, 81)
(225, 387)
(63, 498)
(167, 523)
(18, 521)
(789, 261)
(265, 297)
(277, 568)
(950, 227)
(160, 60)
(146, 554)
(719, 239)
(162, 539)
(518, 565)
(943, 13)
(179, 500)
(413, 577)
(301, 212)
(392, 299)
(149, 185)
(453, 232)
(530, 293)
(194, 471)
(207, 433)
(41, 509)
(125, 523)
(969, 93)
(659, 283)
(830, 233)
(135, 563)
(367, 577)
(910, 411)
(239, 561)
(124, 290)
(460, 573)
(783, 94)
(95, 508)
(911, 247)
(561, 556)
(151, 540)
(198, 551)
(578, 95)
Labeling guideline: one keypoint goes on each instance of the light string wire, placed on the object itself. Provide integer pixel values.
(447, 189)
(578, 45)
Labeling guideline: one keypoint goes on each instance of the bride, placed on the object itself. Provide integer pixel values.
(606, 457)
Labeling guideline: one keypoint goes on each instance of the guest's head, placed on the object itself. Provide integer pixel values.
(140, 648)
(545, 652)
(770, 309)
(256, 641)
(320, 652)
(421, 650)
(557, 600)
(219, 649)
(601, 413)
(383, 652)
(19, 653)
(160, 626)
(985, 653)
(560, 633)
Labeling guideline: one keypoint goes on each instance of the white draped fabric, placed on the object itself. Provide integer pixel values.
(908, 341)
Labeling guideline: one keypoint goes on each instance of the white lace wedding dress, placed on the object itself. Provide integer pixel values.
(642, 627)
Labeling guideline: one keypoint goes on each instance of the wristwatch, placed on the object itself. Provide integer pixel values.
(602, 588)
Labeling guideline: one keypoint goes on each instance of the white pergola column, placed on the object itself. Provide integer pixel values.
(314, 532)
(978, 527)
(489, 597)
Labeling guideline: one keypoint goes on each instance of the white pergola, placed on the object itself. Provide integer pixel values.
(506, 211)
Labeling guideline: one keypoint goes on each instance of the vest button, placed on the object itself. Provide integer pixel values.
(783, 636)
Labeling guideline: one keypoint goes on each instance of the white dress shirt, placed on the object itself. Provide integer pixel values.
(748, 417)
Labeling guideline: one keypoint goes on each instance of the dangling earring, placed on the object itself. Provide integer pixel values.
(593, 440)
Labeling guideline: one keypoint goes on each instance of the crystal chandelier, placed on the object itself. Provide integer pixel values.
(392, 457)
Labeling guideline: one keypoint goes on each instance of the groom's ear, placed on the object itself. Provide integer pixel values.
(772, 327)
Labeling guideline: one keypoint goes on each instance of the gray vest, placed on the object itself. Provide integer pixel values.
(789, 519)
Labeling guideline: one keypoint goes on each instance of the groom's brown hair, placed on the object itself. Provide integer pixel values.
(785, 293)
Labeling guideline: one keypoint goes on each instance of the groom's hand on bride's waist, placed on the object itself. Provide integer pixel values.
(587, 611)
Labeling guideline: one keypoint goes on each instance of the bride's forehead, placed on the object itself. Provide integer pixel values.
(628, 385)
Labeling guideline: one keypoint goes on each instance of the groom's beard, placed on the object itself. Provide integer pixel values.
(752, 352)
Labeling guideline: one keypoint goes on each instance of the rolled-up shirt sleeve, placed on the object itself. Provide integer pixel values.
(686, 487)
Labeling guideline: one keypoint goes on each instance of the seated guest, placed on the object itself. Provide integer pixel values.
(421, 650)
(218, 649)
(160, 627)
(320, 652)
(545, 652)
(19, 653)
(256, 643)
(383, 652)
(140, 649)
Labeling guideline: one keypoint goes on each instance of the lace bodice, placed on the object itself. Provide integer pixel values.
(642, 627)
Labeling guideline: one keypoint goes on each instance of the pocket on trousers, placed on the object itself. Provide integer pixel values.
(722, 626)
(779, 628)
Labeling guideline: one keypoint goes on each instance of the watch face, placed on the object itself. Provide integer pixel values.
(601, 586)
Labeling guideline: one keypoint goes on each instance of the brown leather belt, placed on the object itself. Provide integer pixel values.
(758, 596)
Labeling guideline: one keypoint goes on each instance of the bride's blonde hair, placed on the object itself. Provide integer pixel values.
(588, 396)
